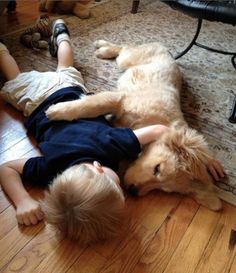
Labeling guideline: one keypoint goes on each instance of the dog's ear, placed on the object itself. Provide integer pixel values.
(192, 152)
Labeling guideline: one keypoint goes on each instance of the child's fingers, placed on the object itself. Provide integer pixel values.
(40, 215)
(213, 172)
(29, 219)
(33, 219)
(26, 220)
(19, 219)
(218, 168)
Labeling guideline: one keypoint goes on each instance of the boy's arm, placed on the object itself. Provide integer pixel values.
(28, 210)
(150, 133)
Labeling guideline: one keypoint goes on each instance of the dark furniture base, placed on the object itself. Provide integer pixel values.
(135, 6)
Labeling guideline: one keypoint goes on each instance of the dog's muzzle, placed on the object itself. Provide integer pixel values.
(133, 190)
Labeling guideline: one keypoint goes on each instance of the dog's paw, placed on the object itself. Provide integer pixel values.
(100, 43)
(211, 202)
(56, 112)
(215, 204)
(105, 52)
(99, 53)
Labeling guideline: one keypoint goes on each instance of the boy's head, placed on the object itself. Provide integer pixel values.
(84, 204)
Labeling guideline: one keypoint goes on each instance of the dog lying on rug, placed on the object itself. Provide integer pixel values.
(148, 93)
(80, 8)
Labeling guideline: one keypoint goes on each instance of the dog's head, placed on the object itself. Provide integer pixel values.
(174, 163)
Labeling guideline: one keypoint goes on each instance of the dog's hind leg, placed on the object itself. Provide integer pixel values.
(106, 50)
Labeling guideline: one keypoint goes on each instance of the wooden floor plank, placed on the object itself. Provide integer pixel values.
(8, 217)
(167, 238)
(89, 262)
(4, 202)
(26, 12)
(232, 268)
(60, 259)
(145, 216)
(188, 253)
(15, 240)
(134, 243)
(107, 249)
(218, 255)
(33, 253)
(19, 150)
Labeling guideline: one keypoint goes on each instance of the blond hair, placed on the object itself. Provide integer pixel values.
(84, 205)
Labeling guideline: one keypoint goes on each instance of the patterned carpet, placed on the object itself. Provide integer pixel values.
(209, 78)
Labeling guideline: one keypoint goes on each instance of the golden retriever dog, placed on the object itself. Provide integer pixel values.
(149, 93)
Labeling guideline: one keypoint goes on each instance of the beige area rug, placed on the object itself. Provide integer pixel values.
(210, 79)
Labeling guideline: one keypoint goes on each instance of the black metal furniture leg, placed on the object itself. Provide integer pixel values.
(233, 61)
(135, 6)
(192, 42)
(11, 6)
(232, 117)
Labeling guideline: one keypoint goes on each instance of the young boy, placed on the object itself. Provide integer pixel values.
(79, 158)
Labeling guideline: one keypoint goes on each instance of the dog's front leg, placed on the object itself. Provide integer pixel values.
(87, 107)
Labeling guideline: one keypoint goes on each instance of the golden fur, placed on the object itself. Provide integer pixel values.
(148, 93)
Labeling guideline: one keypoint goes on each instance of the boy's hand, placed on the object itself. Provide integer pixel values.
(216, 170)
(28, 212)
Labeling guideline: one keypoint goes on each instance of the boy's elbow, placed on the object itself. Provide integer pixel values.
(4, 172)
(8, 171)
(159, 130)
(4, 168)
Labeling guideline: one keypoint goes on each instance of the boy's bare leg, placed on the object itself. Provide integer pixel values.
(8, 65)
(60, 44)
(65, 55)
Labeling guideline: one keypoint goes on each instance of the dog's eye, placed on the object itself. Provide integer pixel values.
(156, 169)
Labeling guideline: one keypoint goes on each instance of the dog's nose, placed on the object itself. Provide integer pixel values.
(133, 190)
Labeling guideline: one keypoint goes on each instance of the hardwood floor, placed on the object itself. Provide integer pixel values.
(165, 232)
(27, 12)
